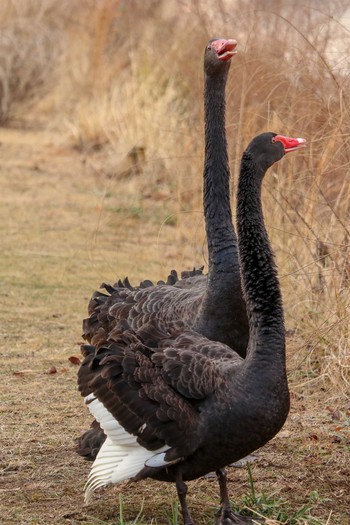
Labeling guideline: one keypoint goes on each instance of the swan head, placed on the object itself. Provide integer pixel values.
(268, 148)
(218, 54)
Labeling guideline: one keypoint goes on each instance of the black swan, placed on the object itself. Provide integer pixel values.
(212, 305)
(174, 404)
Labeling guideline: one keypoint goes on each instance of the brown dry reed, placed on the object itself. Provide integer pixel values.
(111, 75)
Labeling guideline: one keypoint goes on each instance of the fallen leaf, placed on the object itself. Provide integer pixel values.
(74, 360)
(53, 370)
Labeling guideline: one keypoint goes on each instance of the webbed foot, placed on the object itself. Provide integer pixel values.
(228, 517)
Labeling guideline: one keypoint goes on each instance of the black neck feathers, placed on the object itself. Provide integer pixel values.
(223, 314)
(221, 238)
(259, 275)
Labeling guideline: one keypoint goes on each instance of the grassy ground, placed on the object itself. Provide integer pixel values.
(58, 243)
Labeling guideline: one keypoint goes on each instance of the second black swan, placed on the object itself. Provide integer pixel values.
(176, 405)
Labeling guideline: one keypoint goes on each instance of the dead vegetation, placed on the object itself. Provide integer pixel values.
(101, 178)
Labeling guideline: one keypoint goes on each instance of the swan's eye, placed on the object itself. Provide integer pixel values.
(273, 140)
(209, 46)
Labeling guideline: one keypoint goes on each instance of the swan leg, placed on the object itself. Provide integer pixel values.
(181, 488)
(225, 515)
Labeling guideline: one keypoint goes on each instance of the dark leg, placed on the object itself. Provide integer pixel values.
(226, 516)
(224, 499)
(181, 488)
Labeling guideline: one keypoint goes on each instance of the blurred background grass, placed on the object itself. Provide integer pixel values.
(122, 81)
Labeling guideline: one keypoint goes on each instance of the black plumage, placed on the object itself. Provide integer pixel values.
(176, 405)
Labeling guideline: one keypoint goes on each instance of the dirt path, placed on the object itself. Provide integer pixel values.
(64, 229)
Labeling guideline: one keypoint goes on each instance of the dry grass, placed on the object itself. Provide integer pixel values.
(99, 79)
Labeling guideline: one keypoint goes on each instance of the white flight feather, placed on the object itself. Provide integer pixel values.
(120, 457)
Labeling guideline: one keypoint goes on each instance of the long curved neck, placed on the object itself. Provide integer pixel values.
(223, 313)
(221, 238)
(259, 275)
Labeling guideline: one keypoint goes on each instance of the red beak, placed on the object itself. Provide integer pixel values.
(225, 49)
(289, 143)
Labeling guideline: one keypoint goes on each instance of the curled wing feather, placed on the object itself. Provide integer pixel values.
(170, 300)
